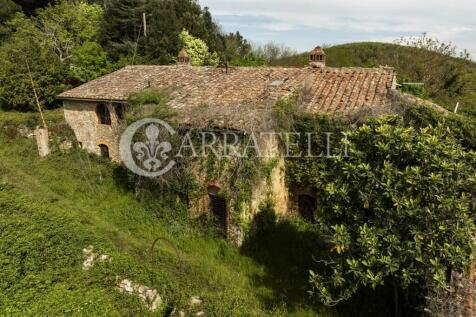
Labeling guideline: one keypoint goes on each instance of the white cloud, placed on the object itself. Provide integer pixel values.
(355, 20)
(278, 26)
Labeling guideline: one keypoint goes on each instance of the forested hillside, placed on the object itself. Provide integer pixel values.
(447, 79)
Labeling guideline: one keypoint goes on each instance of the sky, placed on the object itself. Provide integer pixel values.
(303, 24)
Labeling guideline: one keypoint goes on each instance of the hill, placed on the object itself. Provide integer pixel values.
(447, 79)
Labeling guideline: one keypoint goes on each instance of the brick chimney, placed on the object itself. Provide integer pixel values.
(317, 57)
(183, 58)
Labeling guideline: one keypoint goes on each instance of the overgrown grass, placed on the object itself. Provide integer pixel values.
(53, 208)
(30, 119)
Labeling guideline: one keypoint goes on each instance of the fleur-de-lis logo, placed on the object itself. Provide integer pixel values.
(151, 153)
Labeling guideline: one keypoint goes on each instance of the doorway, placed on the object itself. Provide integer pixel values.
(218, 208)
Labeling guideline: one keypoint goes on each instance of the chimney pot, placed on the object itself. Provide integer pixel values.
(183, 58)
(317, 57)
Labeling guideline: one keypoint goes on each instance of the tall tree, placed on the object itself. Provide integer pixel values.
(123, 28)
(27, 47)
(59, 44)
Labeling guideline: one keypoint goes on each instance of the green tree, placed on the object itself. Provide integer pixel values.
(26, 46)
(167, 19)
(198, 50)
(122, 28)
(68, 25)
(399, 210)
(124, 34)
(89, 61)
(60, 38)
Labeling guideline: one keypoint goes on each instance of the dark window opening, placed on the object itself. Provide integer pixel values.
(307, 207)
(104, 151)
(218, 208)
(119, 110)
(103, 114)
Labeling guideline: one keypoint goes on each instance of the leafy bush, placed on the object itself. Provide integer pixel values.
(462, 128)
(399, 209)
(149, 103)
(197, 50)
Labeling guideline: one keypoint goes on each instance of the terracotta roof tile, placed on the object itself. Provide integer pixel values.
(332, 90)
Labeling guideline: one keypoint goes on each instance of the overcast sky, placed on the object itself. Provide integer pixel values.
(303, 24)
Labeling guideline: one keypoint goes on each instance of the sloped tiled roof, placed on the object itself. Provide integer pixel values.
(343, 90)
(324, 90)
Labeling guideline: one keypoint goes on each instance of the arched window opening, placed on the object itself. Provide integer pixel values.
(103, 114)
(307, 206)
(104, 150)
(218, 208)
(119, 107)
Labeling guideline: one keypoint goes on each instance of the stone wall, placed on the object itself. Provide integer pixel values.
(83, 119)
(275, 187)
(90, 133)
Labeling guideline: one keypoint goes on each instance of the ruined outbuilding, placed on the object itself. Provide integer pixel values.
(231, 98)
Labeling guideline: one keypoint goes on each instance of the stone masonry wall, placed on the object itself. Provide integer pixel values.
(82, 117)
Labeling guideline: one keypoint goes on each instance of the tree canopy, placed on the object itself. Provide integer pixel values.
(60, 43)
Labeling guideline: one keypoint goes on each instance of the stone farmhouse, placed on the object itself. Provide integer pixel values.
(227, 98)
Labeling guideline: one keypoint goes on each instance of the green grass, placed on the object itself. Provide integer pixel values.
(50, 209)
(31, 119)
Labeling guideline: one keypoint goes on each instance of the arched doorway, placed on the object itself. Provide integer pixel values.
(218, 208)
(104, 151)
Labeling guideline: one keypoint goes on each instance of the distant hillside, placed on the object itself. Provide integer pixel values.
(447, 80)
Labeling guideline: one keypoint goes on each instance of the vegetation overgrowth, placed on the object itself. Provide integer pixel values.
(53, 208)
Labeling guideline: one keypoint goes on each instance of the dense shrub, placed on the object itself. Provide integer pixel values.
(399, 209)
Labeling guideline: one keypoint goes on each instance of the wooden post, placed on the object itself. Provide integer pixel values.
(144, 20)
(470, 296)
(42, 136)
(36, 96)
(457, 106)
